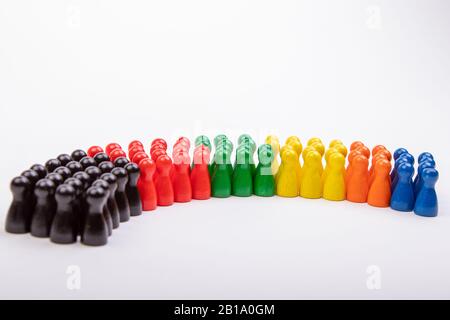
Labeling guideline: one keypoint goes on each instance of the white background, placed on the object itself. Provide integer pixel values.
(78, 73)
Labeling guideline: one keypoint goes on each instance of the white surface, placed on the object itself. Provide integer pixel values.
(77, 73)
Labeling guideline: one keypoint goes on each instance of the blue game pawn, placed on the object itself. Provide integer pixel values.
(397, 155)
(427, 202)
(425, 156)
(403, 196)
(409, 157)
(418, 182)
(404, 158)
(399, 152)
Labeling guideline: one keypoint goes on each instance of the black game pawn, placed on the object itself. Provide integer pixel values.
(106, 166)
(33, 177)
(64, 171)
(87, 162)
(45, 208)
(100, 157)
(64, 159)
(56, 178)
(84, 178)
(40, 169)
(121, 196)
(78, 203)
(106, 213)
(134, 199)
(93, 172)
(52, 164)
(74, 167)
(78, 154)
(20, 211)
(95, 232)
(63, 229)
(112, 204)
(121, 162)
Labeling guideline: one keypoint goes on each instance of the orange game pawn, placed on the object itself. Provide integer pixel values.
(358, 183)
(380, 189)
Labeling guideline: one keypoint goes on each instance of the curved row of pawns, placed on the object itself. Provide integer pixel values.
(90, 194)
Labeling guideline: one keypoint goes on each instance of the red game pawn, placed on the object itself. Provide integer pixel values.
(181, 180)
(92, 151)
(200, 179)
(117, 153)
(135, 150)
(155, 154)
(159, 141)
(183, 141)
(146, 186)
(111, 147)
(163, 185)
(138, 157)
(135, 143)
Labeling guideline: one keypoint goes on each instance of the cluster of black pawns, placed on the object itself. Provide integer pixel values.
(74, 195)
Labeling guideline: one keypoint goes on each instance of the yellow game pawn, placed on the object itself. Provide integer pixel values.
(282, 151)
(311, 186)
(296, 144)
(306, 151)
(334, 184)
(335, 142)
(313, 140)
(342, 149)
(320, 148)
(327, 162)
(287, 185)
(275, 143)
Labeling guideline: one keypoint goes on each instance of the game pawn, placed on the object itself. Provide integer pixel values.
(78, 154)
(403, 194)
(220, 177)
(64, 225)
(111, 202)
(40, 170)
(427, 201)
(146, 185)
(200, 178)
(95, 231)
(181, 180)
(132, 190)
(358, 183)
(287, 184)
(106, 213)
(45, 208)
(121, 196)
(18, 218)
(380, 189)
(163, 184)
(264, 182)
(242, 179)
(334, 185)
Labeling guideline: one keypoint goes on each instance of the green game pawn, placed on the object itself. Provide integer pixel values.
(220, 178)
(264, 182)
(247, 140)
(219, 139)
(203, 140)
(242, 182)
